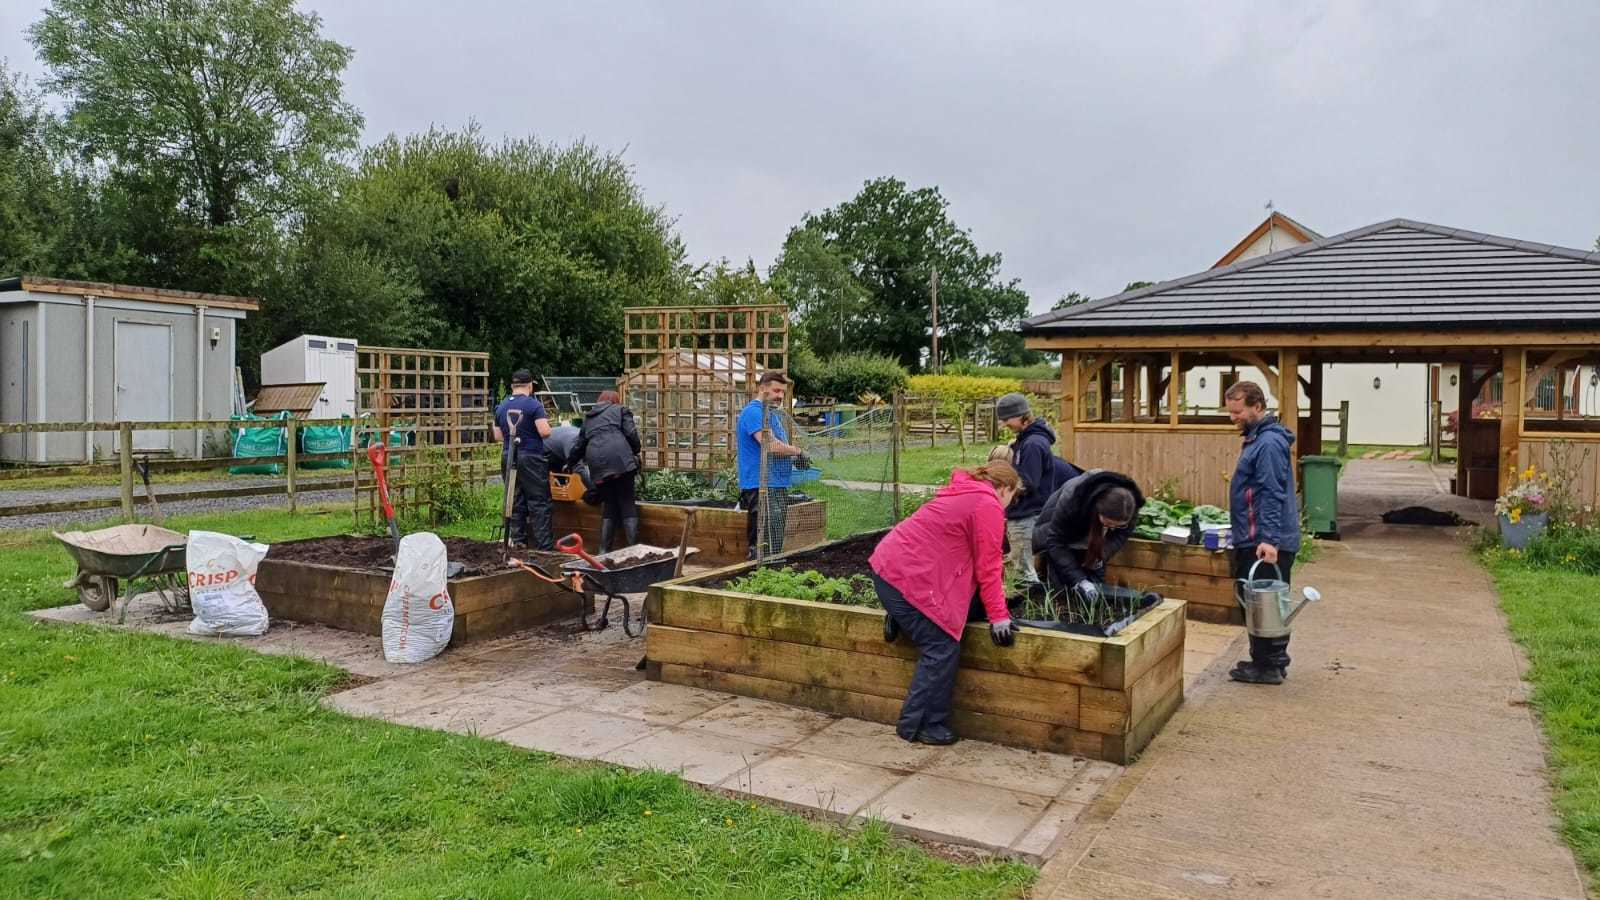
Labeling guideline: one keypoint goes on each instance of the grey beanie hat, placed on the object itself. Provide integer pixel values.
(1010, 406)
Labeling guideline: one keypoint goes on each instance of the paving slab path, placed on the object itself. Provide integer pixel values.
(1400, 759)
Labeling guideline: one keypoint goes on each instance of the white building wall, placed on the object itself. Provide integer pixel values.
(1395, 411)
(1274, 240)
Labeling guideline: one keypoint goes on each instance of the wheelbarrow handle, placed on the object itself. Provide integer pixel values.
(573, 543)
(536, 572)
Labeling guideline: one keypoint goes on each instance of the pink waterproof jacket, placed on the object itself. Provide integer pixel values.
(946, 551)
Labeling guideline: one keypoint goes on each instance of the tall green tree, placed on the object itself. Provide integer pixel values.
(526, 250)
(201, 130)
(237, 104)
(858, 275)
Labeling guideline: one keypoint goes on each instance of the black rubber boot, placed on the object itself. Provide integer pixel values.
(630, 530)
(1250, 673)
(936, 735)
(891, 629)
(608, 529)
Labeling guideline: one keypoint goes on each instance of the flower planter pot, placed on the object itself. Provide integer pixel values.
(1518, 535)
(719, 531)
(1098, 697)
(1202, 577)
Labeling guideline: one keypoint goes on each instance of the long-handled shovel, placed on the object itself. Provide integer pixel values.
(513, 419)
(143, 463)
(378, 455)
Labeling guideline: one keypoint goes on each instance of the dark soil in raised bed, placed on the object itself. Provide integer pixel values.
(841, 560)
(377, 554)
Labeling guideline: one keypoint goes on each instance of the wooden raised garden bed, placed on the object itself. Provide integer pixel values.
(342, 582)
(719, 531)
(1202, 577)
(1102, 698)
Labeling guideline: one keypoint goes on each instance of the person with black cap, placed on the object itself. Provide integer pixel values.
(522, 446)
(1041, 472)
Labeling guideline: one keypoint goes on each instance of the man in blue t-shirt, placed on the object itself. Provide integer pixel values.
(782, 458)
(523, 447)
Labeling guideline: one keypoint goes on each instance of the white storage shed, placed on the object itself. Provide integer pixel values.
(80, 351)
(312, 358)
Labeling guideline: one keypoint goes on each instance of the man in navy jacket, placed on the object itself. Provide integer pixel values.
(1041, 472)
(1264, 516)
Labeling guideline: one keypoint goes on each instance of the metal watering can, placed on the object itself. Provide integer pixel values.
(1266, 602)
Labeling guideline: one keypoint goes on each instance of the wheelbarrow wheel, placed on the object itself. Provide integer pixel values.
(97, 592)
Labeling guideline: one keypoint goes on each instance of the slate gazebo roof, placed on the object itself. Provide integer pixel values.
(1394, 275)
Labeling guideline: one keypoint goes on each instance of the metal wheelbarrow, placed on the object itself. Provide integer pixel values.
(131, 553)
(630, 570)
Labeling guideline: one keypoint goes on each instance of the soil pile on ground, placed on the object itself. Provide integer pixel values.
(377, 554)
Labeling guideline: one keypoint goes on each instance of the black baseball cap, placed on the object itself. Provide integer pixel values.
(522, 376)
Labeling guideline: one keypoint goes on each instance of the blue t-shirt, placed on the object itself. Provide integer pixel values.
(532, 411)
(779, 469)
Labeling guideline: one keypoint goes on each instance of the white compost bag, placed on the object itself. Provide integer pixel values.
(418, 615)
(222, 585)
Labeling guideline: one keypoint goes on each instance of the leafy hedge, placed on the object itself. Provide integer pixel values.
(960, 387)
(1040, 372)
(847, 377)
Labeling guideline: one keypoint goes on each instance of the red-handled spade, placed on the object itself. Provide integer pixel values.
(378, 455)
(573, 543)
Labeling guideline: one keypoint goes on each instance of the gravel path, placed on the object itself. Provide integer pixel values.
(113, 515)
(31, 495)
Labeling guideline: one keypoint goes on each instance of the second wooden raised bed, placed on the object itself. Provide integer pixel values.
(1202, 577)
(719, 532)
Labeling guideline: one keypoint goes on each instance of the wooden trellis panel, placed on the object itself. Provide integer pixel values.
(445, 393)
(690, 369)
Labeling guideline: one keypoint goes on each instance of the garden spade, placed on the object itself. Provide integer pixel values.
(378, 455)
(143, 463)
(513, 419)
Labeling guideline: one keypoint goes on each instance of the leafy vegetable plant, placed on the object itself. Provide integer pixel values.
(857, 590)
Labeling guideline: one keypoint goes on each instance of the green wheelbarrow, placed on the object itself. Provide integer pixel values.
(130, 554)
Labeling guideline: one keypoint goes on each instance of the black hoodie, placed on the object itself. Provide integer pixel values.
(608, 443)
(1031, 455)
(1063, 530)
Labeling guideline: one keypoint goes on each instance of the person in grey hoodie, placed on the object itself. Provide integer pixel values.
(1264, 516)
(1041, 472)
(609, 445)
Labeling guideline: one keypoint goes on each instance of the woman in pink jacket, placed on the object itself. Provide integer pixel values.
(926, 571)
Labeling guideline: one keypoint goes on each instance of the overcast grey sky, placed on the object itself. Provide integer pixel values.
(1091, 144)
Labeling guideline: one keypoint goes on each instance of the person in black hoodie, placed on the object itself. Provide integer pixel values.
(1083, 524)
(1041, 472)
(609, 446)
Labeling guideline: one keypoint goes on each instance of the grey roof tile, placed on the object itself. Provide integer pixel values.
(1393, 272)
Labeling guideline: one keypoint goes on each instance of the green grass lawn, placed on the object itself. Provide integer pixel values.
(1555, 616)
(138, 765)
(918, 465)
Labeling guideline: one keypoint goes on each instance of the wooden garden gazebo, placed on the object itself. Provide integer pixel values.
(1513, 314)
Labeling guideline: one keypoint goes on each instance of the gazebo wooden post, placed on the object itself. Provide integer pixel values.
(1130, 388)
(1172, 389)
(1513, 401)
(1314, 397)
(1071, 403)
(1289, 401)
(1105, 392)
(1464, 400)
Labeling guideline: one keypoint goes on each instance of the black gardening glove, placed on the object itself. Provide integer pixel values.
(1002, 633)
(802, 462)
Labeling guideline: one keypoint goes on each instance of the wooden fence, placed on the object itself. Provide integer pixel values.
(410, 483)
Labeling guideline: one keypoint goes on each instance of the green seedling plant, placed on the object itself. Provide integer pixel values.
(857, 590)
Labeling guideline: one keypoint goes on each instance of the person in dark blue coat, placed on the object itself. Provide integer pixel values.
(1041, 471)
(1264, 515)
(530, 511)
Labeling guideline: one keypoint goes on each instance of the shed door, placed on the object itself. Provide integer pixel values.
(339, 371)
(143, 360)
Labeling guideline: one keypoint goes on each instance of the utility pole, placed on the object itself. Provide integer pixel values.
(933, 288)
